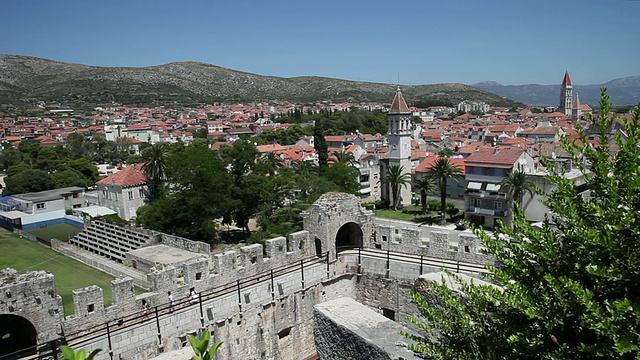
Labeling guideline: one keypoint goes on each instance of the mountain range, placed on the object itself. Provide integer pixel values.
(25, 79)
(623, 91)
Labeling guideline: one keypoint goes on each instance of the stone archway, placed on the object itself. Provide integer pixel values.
(338, 219)
(18, 337)
(349, 236)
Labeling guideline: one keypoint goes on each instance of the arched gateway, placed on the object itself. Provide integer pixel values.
(30, 311)
(339, 221)
(18, 337)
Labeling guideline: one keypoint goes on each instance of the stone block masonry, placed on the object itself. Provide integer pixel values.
(345, 329)
(259, 301)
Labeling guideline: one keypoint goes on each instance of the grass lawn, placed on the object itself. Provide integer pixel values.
(24, 256)
(413, 213)
(61, 232)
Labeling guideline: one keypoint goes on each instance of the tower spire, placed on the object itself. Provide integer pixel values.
(399, 105)
(567, 80)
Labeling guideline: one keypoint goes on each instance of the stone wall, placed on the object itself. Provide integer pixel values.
(185, 244)
(329, 214)
(32, 296)
(441, 244)
(345, 329)
(257, 314)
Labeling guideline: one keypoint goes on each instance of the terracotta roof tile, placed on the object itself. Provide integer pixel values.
(129, 176)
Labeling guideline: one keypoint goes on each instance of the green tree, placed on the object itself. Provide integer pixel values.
(320, 144)
(425, 186)
(241, 157)
(84, 167)
(396, 178)
(570, 290)
(28, 181)
(270, 163)
(442, 170)
(346, 158)
(9, 156)
(518, 184)
(29, 150)
(154, 165)
(48, 159)
(200, 192)
(69, 178)
(344, 176)
(74, 145)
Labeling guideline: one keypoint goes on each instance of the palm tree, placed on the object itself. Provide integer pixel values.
(271, 163)
(154, 164)
(443, 169)
(518, 184)
(304, 167)
(425, 185)
(344, 157)
(396, 177)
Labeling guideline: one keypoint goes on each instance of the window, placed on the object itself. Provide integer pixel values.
(497, 205)
(76, 195)
(130, 195)
(141, 191)
(40, 206)
(115, 195)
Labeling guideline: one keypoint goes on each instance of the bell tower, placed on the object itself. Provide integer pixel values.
(566, 96)
(399, 136)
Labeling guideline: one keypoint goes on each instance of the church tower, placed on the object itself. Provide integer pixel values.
(399, 136)
(566, 96)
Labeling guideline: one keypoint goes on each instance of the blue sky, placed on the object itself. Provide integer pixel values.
(415, 42)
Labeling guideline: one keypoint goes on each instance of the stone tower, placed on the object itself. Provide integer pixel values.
(566, 96)
(400, 140)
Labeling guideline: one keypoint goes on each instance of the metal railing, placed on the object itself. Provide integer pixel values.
(153, 314)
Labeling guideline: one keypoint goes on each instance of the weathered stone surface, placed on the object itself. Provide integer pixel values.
(346, 329)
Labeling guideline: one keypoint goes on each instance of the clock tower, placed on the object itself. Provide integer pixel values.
(399, 118)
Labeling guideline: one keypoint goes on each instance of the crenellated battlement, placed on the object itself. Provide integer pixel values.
(237, 281)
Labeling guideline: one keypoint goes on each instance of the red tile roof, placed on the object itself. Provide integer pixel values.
(494, 157)
(428, 162)
(129, 176)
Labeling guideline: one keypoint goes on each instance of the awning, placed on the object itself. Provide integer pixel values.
(474, 185)
(493, 187)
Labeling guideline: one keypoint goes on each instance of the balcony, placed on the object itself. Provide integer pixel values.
(485, 211)
(486, 195)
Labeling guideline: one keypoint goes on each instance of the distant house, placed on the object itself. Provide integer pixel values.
(455, 186)
(125, 191)
(39, 209)
(488, 202)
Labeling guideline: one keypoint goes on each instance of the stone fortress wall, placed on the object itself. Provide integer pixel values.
(257, 299)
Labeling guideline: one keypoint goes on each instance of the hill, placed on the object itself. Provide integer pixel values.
(25, 79)
(623, 91)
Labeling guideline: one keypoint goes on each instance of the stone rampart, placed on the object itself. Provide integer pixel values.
(33, 297)
(441, 244)
(185, 244)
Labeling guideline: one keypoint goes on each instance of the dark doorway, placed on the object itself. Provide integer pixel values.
(349, 236)
(318, 247)
(18, 337)
(389, 314)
